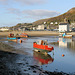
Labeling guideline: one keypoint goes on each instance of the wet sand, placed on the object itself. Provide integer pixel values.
(30, 33)
(14, 63)
(35, 33)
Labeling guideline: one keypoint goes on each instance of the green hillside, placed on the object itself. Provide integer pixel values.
(70, 15)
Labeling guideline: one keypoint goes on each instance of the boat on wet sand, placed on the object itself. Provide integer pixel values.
(24, 35)
(66, 36)
(11, 37)
(42, 46)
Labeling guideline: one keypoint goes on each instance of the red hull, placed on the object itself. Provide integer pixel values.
(24, 35)
(43, 47)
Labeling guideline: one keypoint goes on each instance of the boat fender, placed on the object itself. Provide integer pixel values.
(26, 36)
(63, 55)
(20, 41)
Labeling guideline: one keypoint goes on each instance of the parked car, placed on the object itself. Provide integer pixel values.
(73, 29)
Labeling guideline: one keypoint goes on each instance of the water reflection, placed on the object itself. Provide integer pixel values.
(72, 45)
(42, 58)
(67, 43)
(64, 42)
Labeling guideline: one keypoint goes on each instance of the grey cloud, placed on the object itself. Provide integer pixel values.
(34, 14)
(31, 2)
(24, 2)
(14, 11)
(41, 13)
(4, 2)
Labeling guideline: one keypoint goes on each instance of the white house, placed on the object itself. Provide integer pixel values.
(41, 27)
(51, 23)
(63, 27)
(56, 22)
(4, 29)
(34, 28)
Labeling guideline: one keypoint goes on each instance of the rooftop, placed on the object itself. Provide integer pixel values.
(63, 23)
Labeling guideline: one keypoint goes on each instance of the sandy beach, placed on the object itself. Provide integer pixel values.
(36, 33)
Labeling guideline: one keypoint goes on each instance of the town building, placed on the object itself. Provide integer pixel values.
(34, 28)
(41, 27)
(51, 23)
(63, 27)
(4, 29)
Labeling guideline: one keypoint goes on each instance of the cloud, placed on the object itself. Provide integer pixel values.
(4, 2)
(31, 2)
(34, 14)
(14, 11)
(40, 13)
(23, 2)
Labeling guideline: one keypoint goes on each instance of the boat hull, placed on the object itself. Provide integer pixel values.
(24, 35)
(68, 36)
(13, 38)
(42, 48)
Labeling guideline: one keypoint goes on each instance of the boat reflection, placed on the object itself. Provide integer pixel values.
(64, 42)
(42, 58)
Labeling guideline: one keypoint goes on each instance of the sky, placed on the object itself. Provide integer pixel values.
(13, 12)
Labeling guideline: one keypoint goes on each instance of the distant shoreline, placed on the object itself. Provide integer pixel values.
(35, 33)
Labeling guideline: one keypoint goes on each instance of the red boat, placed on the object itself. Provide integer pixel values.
(24, 35)
(42, 46)
(43, 59)
(11, 35)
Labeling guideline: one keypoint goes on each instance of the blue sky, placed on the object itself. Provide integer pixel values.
(28, 11)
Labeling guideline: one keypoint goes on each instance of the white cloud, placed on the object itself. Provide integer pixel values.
(40, 14)
(31, 2)
(14, 11)
(34, 14)
(23, 2)
(4, 2)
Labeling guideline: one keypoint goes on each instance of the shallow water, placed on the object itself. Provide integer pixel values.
(54, 61)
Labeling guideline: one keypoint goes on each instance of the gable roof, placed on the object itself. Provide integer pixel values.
(63, 24)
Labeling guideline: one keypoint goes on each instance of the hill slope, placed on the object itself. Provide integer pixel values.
(70, 15)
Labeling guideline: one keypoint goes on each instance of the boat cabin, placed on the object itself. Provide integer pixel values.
(11, 35)
(42, 42)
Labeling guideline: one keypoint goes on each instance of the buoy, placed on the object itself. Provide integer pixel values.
(26, 36)
(57, 41)
(16, 40)
(20, 41)
(63, 55)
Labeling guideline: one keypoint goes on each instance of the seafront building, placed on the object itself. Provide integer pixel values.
(41, 27)
(4, 29)
(63, 27)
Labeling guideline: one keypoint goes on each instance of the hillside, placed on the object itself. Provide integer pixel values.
(70, 15)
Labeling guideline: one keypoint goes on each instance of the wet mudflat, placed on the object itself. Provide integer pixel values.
(24, 61)
(17, 64)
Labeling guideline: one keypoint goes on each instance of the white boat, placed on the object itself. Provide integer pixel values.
(67, 36)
